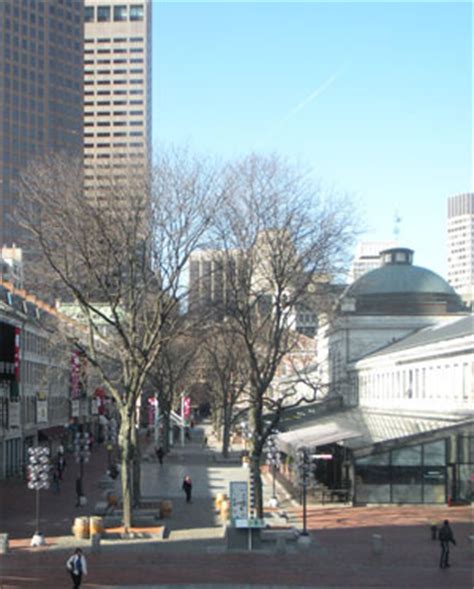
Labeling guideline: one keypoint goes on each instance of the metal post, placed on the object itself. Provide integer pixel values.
(37, 511)
(182, 419)
(305, 530)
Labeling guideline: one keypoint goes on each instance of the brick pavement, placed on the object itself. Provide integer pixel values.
(339, 556)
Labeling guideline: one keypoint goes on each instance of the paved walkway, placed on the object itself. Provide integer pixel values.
(194, 556)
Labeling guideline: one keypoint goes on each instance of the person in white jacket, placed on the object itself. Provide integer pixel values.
(77, 566)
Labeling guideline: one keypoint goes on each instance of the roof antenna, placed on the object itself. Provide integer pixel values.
(396, 227)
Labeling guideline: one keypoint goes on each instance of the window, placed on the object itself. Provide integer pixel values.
(120, 13)
(103, 13)
(89, 14)
(136, 12)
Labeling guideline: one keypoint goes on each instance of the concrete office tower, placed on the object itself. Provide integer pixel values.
(461, 244)
(41, 91)
(367, 257)
(117, 89)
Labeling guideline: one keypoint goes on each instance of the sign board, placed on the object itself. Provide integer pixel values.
(41, 410)
(13, 414)
(238, 491)
(75, 408)
(249, 523)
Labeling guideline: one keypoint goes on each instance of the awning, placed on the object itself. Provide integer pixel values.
(314, 436)
(55, 432)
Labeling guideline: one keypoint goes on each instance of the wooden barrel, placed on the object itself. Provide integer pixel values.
(220, 497)
(80, 529)
(166, 508)
(225, 510)
(96, 525)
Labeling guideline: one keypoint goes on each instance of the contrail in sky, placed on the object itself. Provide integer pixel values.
(310, 98)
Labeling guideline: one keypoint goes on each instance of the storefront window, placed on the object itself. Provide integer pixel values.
(434, 453)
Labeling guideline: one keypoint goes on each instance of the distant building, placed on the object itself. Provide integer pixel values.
(41, 65)
(117, 90)
(397, 358)
(367, 257)
(11, 265)
(461, 244)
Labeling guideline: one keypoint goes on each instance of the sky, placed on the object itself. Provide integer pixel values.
(375, 97)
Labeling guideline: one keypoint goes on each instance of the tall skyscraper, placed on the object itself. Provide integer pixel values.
(41, 91)
(117, 88)
(461, 244)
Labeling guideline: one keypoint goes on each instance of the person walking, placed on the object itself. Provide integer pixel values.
(445, 536)
(55, 482)
(187, 488)
(79, 492)
(77, 566)
(160, 454)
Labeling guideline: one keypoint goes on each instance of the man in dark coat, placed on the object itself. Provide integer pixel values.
(445, 536)
(187, 488)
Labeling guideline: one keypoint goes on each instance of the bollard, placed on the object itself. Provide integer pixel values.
(434, 531)
(471, 538)
(377, 543)
(3, 543)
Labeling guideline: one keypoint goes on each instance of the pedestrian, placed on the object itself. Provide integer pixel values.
(160, 454)
(445, 536)
(187, 434)
(55, 482)
(187, 488)
(77, 566)
(61, 465)
(79, 492)
(204, 442)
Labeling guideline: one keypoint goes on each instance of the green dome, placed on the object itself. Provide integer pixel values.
(398, 287)
(398, 278)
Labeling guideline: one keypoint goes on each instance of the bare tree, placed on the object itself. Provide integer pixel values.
(282, 240)
(172, 373)
(118, 254)
(225, 369)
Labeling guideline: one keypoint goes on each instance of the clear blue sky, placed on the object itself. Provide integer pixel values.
(376, 96)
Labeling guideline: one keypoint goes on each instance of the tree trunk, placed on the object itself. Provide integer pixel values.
(165, 432)
(136, 466)
(226, 433)
(125, 441)
(257, 484)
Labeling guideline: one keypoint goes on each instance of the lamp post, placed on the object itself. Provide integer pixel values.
(274, 462)
(81, 453)
(303, 472)
(38, 478)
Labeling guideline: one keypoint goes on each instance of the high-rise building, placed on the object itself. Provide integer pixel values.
(41, 91)
(367, 257)
(461, 244)
(117, 89)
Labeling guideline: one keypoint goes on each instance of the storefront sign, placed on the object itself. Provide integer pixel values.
(75, 408)
(17, 354)
(13, 414)
(75, 374)
(41, 408)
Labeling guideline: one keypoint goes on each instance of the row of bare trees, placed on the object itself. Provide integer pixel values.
(119, 256)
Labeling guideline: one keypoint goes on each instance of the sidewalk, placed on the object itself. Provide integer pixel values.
(340, 554)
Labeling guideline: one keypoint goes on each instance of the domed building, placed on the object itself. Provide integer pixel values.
(400, 288)
(396, 373)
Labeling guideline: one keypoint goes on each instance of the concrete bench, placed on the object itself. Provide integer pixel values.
(275, 534)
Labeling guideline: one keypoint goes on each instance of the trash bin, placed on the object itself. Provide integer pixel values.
(166, 508)
(96, 525)
(225, 510)
(80, 529)
(220, 497)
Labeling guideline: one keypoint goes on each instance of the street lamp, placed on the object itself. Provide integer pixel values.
(274, 462)
(303, 463)
(38, 478)
(81, 453)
